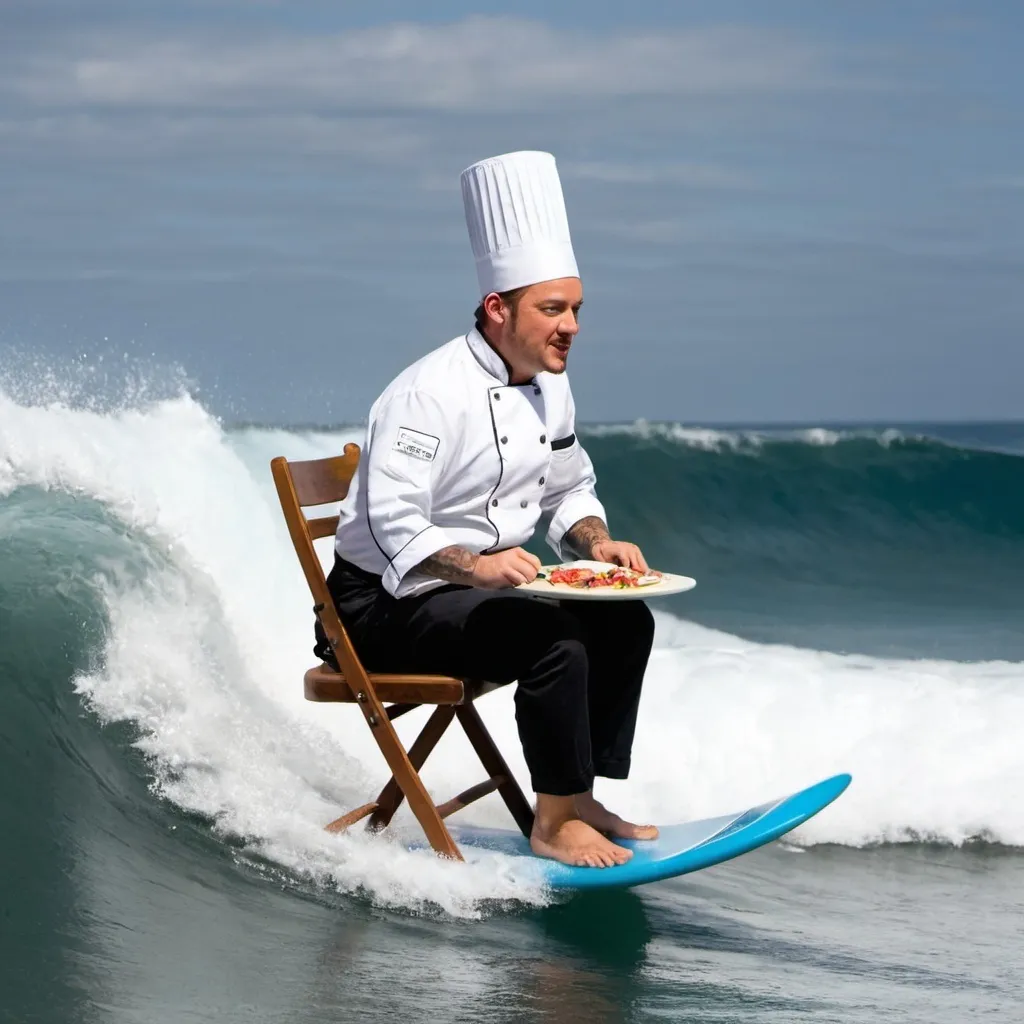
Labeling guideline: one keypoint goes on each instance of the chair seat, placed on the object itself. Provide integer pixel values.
(323, 683)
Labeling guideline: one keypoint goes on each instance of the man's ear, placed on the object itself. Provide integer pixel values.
(494, 307)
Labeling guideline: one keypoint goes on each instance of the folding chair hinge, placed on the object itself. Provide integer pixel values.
(371, 716)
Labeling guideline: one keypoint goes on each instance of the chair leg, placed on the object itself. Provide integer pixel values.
(406, 777)
(494, 764)
(392, 794)
(346, 821)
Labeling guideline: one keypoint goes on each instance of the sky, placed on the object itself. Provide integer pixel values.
(786, 211)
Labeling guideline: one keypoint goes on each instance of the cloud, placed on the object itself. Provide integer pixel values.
(142, 135)
(480, 64)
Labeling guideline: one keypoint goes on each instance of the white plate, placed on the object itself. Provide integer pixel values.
(670, 583)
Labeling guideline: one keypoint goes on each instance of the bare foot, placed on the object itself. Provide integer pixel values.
(597, 815)
(575, 842)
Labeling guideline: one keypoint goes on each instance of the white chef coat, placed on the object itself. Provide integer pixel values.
(454, 454)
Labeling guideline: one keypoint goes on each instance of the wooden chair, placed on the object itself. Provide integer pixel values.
(321, 482)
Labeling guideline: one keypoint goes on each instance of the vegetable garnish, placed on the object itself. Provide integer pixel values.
(619, 578)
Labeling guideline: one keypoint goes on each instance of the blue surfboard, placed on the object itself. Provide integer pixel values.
(678, 849)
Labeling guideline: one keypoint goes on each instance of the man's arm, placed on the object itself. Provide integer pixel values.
(452, 564)
(407, 452)
(583, 535)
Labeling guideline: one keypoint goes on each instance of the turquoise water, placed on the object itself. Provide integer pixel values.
(165, 785)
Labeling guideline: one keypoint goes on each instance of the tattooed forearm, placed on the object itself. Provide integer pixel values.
(583, 535)
(453, 564)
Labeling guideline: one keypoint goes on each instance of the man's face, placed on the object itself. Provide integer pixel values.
(537, 336)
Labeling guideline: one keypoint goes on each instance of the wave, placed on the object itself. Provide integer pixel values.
(153, 534)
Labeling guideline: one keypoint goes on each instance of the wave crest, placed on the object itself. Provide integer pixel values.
(747, 440)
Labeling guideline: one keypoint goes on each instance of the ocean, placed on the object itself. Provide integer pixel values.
(165, 785)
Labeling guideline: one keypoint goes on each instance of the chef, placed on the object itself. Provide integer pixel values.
(466, 451)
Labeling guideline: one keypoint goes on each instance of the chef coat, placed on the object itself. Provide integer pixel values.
(454, 454)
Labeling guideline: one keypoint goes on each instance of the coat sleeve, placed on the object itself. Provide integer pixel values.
(570, 494)
(409, 443)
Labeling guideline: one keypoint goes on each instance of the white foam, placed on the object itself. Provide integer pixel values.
(933, 746)
(745, 441)
(206, 655)
(819, 437)
(704, 438)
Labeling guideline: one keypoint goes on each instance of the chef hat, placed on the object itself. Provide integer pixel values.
(517, 223)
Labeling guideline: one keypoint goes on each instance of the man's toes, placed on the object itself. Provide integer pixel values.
(615, 854)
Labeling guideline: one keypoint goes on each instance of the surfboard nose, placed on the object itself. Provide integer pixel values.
(828, 789)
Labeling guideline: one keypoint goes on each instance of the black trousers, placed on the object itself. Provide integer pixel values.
(579, 664)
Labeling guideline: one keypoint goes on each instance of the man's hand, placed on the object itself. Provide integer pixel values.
(619, 552)
(589, 539)
(505, 569)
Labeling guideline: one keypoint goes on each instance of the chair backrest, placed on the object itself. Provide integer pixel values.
(321, 482)
(302, 485)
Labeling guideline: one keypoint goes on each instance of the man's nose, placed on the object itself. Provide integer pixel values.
(569, 324)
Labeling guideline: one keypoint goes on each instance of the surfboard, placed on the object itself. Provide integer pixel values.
(679, 849)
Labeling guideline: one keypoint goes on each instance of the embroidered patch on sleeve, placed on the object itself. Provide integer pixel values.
(417, 444)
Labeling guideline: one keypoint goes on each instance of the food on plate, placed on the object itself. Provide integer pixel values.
(619, 578)
(571, 577)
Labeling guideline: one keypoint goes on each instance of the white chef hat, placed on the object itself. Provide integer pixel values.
(517, 223)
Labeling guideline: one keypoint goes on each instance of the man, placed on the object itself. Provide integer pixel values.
(465, 451)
